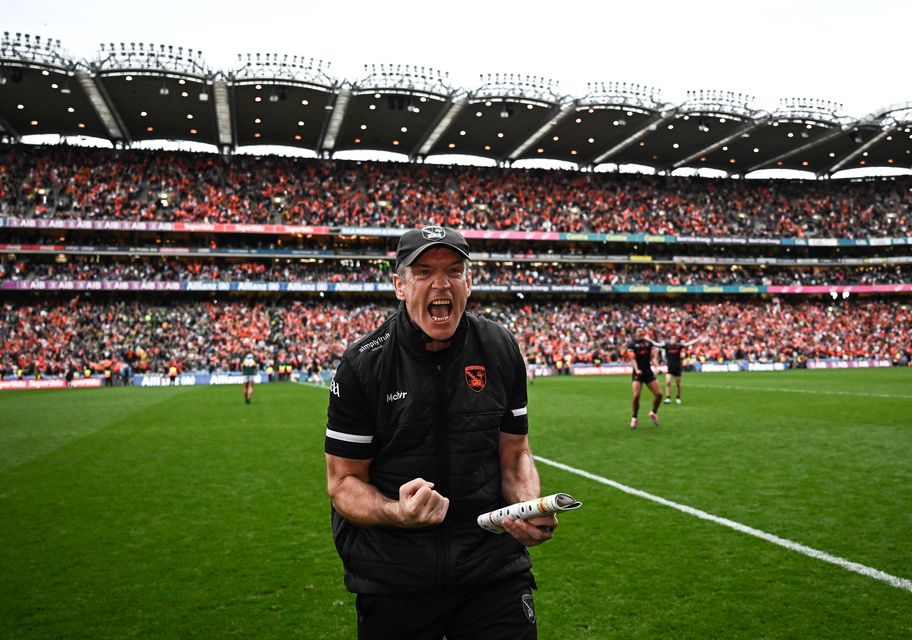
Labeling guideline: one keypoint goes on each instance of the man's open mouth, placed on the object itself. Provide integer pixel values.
(440, 310)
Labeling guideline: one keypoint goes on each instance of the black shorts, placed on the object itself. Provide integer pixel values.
(500, 611)
(646, 376)
(674, 371)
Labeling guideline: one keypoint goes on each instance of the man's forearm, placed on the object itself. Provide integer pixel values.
(519, 477)
(363, 504)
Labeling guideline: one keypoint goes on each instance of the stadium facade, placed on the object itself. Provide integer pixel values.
(162, 261)
(132, 92)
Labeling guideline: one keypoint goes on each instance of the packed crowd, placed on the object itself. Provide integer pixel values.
(72, 182)
(158, 269)
(689, 274)
(51, 337)
(57, 335)
(771, 331)
(54, 337)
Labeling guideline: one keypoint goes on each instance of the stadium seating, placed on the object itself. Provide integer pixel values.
(51, 333)
(72, 182)
(75, 333)
(79, 268)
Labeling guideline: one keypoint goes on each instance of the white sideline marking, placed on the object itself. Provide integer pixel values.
(811, 391)
(893, 581)
(313, 385)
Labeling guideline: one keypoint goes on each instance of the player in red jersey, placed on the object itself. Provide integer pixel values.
(643, 357)
(674, 352)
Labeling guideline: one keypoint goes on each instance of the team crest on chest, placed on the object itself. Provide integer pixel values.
(476, 377)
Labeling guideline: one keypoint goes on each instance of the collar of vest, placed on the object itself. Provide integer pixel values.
(414, 340)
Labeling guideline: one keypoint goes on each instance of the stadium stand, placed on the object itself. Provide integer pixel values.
(154, 269)
(566, 287)
(92, 184)
(74, 333)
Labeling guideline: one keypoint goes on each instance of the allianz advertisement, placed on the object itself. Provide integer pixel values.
(191, 379)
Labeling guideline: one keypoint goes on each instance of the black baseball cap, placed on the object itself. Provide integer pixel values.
(414, 242)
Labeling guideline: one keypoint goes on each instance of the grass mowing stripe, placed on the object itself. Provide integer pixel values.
(893, 581)
(37, 423)
(812, 391)
(203, 517)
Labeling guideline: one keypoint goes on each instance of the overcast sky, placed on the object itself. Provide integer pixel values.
(855, 53)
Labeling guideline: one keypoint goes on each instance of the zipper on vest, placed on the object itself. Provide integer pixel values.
(442, 484)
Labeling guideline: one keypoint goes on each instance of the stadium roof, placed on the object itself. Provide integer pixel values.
(133, 92)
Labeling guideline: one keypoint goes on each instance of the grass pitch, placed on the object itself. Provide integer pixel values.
(185, 513)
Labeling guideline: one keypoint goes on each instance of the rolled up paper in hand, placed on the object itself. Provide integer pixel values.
(528, 509)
